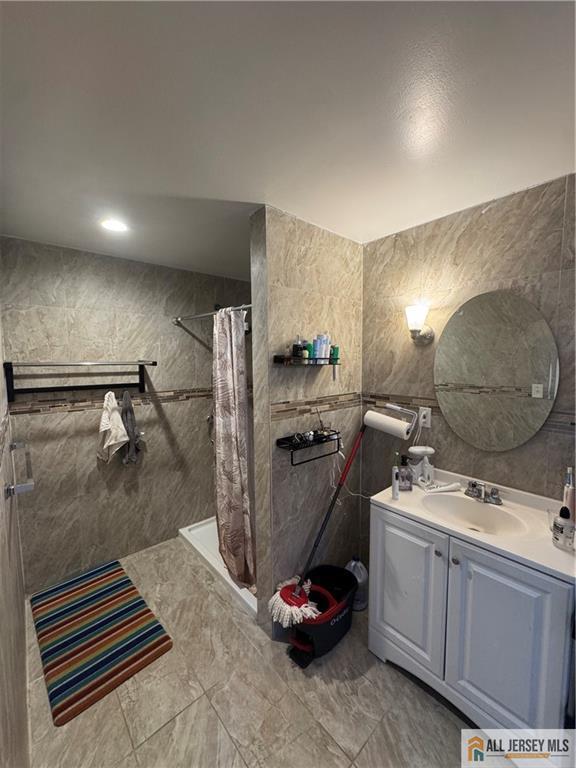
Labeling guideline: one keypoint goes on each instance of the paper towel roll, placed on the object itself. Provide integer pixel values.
(387, 424)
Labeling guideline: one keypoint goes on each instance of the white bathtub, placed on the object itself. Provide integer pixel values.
(203, 537)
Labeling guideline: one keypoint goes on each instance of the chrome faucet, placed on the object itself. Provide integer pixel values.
(477, 490)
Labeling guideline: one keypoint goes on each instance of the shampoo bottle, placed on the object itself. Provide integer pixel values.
(316, 349)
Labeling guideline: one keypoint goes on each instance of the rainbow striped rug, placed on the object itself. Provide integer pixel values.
(94, 632)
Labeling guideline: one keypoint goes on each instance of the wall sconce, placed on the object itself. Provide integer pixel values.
(421, 333)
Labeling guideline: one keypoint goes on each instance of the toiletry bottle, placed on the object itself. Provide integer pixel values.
(325, 348)
(396, 480)
(563, 531)
(334, 354)
(405, 479)
(321, 344)
(297, 347)
(316, 349)
(569, 499)
(310, 350)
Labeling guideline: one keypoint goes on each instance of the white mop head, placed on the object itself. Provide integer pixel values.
(288, 613)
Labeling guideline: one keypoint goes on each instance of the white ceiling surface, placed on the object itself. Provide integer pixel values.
(364, 119)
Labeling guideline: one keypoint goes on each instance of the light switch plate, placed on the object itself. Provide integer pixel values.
(537, 390)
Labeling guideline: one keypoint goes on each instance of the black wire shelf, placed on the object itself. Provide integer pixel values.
(305, 361)
(301, 441)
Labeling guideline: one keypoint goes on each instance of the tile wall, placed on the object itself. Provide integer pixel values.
(13, 717)
(62, 304)
(523, 242)
(305, 280)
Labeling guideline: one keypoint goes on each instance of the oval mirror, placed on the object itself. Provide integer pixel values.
(496, 371)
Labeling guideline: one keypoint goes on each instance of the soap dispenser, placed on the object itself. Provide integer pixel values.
(422, 468)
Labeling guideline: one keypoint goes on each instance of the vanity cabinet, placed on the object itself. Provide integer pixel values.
(408, 605)
(491, 635)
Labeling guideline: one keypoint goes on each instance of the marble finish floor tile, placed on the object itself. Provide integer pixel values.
(226, 695)
(129, 762)
(97, 738)
(407, 739)
(314, 748)
(194, 739)
(262, 721)
(157, 694)
(342, 700)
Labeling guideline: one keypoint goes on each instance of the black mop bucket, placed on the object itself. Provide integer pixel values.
(333, 590)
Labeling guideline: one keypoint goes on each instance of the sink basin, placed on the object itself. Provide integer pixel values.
(471, 515)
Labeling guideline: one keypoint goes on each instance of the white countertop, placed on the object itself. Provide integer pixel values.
(532, 547)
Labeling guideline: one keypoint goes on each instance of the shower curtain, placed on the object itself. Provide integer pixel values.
(233, 513)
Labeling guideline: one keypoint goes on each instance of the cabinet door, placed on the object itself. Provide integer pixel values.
(408, 586)
(508, 638)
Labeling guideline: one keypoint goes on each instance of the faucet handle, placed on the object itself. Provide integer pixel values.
(495, 497)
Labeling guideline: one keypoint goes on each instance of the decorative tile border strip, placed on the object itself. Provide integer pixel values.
(379, 400)
(95, 403)
(287, 409)
(562, 422)
(559, 421)
(4, 426)
(469, 389)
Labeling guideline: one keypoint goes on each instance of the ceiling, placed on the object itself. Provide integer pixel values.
(363, 118)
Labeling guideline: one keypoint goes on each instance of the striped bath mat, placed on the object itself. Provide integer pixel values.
(94, 632)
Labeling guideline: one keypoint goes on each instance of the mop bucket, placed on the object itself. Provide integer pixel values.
(333, 590)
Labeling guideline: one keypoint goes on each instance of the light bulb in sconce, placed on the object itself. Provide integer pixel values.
(416, 315)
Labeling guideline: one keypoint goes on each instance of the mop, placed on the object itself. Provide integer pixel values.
(290, 604)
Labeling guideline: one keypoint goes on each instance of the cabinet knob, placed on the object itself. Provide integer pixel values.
(455, 561)
(437, 553)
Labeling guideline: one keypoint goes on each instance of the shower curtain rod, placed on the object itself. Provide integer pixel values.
(178, 320)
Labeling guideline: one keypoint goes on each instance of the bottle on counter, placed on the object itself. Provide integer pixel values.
(396, 479)
(563, 531)
(405, 474)
(569, 499)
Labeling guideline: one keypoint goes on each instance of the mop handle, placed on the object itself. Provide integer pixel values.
(328, 514)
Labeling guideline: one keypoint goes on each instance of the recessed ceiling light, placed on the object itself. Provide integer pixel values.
(114, 225)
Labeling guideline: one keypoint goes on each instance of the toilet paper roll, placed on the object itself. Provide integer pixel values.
(387, 424)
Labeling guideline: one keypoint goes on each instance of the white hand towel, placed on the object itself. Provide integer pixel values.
(113, 434)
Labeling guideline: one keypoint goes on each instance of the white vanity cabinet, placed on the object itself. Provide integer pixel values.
(491, 635)
(408, 581)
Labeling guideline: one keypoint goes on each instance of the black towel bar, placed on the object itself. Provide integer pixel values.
(12, 391)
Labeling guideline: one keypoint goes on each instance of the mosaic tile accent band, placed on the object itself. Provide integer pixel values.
(94, 402)
(286, 410)
(560, 421)
(484, 390)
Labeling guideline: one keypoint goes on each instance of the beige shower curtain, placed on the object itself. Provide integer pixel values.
(233, 512)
